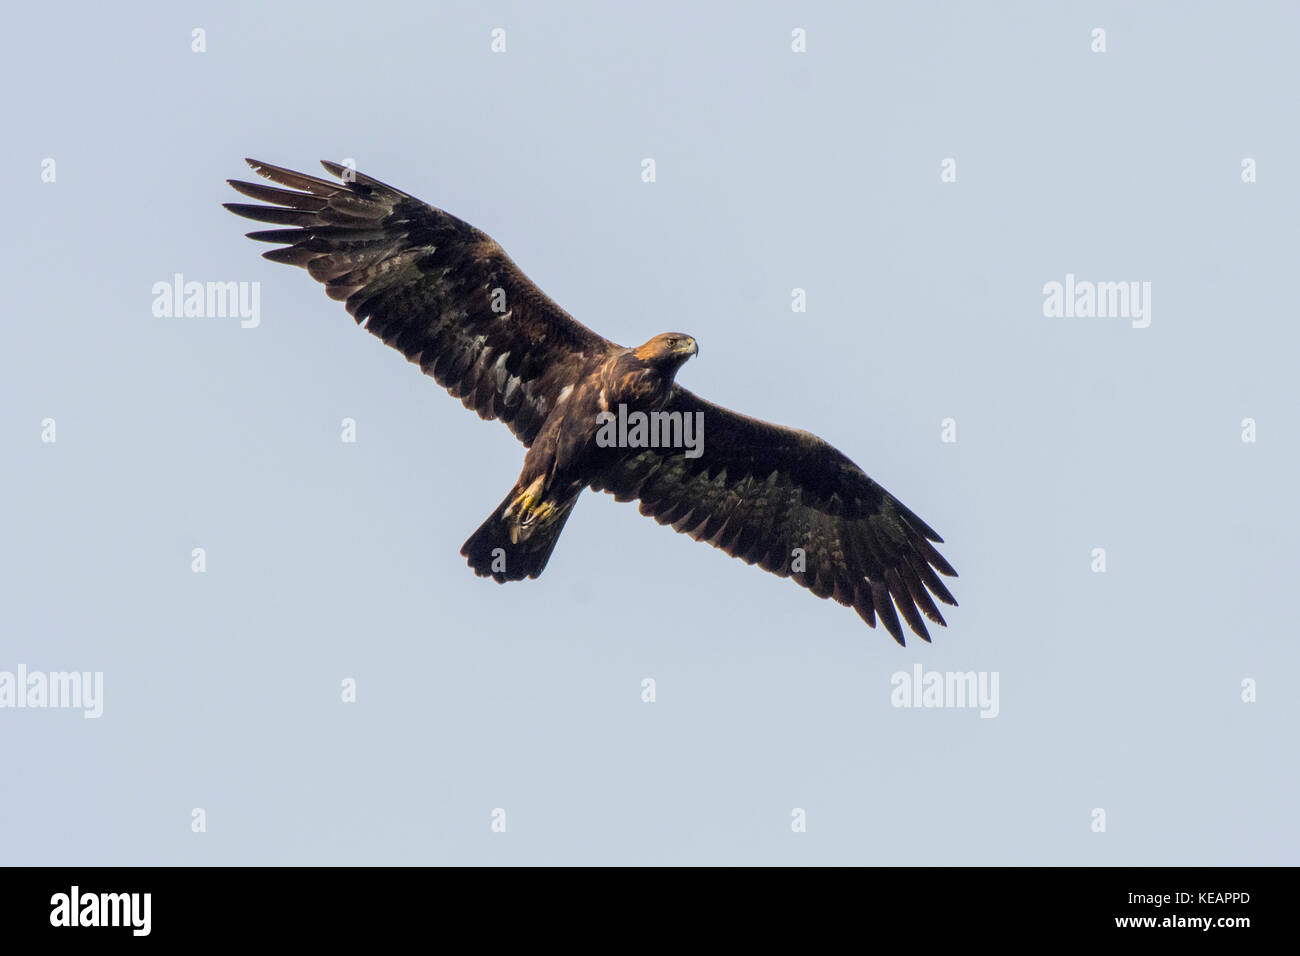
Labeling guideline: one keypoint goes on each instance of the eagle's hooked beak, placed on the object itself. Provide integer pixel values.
(688, 347)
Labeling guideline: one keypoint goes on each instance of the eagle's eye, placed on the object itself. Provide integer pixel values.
(672, 342)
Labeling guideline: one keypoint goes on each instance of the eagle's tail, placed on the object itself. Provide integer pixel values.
(493, 551)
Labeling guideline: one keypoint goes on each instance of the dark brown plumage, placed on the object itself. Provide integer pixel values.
(447, 297)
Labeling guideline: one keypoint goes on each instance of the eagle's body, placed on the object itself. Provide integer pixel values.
(565, 453)
(447, 296)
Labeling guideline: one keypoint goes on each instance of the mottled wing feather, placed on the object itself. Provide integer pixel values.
(759, 491)
(438, 290)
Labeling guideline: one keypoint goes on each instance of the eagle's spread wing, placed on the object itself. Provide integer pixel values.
(759, 491)
(435, 288)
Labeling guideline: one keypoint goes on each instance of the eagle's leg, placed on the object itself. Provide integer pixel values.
(529, 511)
(517, 539)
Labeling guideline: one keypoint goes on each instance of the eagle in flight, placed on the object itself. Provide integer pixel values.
(447, 297)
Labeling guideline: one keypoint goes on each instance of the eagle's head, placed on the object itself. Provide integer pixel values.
(668, 351)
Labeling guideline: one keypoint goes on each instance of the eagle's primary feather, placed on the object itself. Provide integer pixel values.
(447, 297)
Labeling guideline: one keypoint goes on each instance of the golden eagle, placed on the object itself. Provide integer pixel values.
(447, 297)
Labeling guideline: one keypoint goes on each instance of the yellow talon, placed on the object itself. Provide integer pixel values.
(528, 513)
